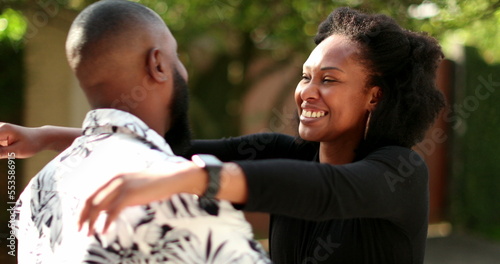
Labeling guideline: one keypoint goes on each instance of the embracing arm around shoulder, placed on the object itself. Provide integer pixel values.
(141, 188)
(390, 183)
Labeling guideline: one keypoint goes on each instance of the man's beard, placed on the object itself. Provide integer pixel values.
(179, 134)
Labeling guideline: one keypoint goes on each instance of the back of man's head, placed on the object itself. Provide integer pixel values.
(125, 57)
(108, 25)
(108, 48)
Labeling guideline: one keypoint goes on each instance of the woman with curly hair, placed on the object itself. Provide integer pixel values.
(350, 190)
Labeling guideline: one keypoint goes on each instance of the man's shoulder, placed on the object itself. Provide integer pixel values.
(91, 160)
(116, 145)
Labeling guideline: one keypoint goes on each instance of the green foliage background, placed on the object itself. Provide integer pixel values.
(476, 182)
(219, 40)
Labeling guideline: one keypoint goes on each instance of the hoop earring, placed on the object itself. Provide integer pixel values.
(367, 126)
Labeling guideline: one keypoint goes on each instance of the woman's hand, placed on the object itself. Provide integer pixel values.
(23, 141)
(131, 189)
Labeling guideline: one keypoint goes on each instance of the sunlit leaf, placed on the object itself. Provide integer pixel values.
(12, 25)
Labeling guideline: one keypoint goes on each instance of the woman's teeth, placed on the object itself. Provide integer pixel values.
(313, 114)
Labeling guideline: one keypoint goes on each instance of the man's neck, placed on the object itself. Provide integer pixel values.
(154, 120)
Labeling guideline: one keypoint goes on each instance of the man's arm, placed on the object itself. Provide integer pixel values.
(25, 142)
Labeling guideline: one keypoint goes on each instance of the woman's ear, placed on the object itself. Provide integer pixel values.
(375, 96)
(157, 66)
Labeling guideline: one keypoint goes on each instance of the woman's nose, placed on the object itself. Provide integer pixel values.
(309, 92)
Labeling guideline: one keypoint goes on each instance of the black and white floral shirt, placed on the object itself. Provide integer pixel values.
(172, 231)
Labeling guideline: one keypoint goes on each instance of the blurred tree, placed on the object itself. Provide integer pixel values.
(12, 28)
(472, 23)
(219, 40)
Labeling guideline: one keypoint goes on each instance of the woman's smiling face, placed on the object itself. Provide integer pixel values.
(332, 98)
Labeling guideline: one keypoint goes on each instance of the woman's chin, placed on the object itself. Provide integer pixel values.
(307, 134)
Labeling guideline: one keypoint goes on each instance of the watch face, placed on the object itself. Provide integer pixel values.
(206, 160)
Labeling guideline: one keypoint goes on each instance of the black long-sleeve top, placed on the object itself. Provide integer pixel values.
(374, 210)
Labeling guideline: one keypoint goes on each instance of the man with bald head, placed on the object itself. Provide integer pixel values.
(122, 54)
(125, 59)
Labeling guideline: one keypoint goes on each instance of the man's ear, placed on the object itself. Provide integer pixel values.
(375, 96)
(157, 65)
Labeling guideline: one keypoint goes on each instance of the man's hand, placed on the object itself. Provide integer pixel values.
(23, 141)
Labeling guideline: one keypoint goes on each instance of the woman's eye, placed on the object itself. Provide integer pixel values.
(305, 77)
(329, 80)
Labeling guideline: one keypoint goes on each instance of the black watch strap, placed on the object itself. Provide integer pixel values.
(213, 166)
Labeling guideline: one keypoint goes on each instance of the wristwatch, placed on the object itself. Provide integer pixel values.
(213, 166)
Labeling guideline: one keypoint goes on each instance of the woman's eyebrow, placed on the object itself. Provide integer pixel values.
(331, 68)
(326, 68)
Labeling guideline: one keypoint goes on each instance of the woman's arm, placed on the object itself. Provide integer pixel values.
(143, 187)
(254, 147)
(26, 142)
(389, 184)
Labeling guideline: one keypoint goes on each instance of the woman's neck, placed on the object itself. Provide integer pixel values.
(338, 152)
